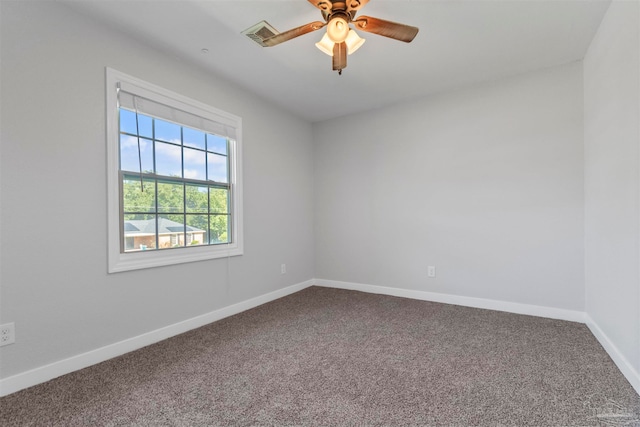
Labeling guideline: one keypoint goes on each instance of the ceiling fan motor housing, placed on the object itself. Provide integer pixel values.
(331, 8)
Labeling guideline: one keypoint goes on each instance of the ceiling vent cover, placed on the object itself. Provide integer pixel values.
(259, 32)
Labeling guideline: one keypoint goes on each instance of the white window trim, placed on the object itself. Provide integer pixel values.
(118, 261)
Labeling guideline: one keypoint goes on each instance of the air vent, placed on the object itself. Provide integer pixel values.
(259, 32)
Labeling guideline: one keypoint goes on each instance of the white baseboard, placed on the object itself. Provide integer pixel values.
(511, 307)
(621, 362)
(53, 370)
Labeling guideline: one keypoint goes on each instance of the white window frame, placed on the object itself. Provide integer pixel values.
(124, 261)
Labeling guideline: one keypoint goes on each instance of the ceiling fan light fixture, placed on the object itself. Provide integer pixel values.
(338, 29)
(354, 41)
(325, 45)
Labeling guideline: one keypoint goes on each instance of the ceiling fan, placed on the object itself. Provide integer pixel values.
(340, 39)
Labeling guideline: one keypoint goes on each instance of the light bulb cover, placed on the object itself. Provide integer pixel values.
(325, 45)
(338, 29)
(354, 41)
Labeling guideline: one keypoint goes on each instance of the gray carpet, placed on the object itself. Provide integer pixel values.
(334, 357)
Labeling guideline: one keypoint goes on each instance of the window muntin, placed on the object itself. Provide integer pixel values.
(174, 178)
(186, 157)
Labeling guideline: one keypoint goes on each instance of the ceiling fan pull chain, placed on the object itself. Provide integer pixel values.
(135, 105)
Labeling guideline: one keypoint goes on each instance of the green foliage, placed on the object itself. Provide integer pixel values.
(136, 200)
(206, 208)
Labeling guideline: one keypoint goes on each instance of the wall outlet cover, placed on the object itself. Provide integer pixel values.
(7, 334)
(431, 271)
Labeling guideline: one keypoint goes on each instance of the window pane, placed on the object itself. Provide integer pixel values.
(139, 232)
(129, 160)
(137, 199)
(170, 231)
(128, 123)
(193, 138)
(217, 168)
(195, 164)
(129, 243)
(196, 198)
(197, 226)
(216, 144)
(169, 132)
(168, 159)
(170, 197)
(218, 200)
(219, 229)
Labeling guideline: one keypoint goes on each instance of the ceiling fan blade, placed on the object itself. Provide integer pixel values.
(293, 33)
(355, 4)
(393, 30)
(323, 5)
(339, 56)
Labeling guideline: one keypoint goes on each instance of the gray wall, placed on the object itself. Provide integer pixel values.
(612, 178)
(55, 285)
(485, 183)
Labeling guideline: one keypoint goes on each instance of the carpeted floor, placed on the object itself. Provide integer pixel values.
(344, 358)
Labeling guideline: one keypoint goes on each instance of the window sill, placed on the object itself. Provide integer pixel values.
(158, 258)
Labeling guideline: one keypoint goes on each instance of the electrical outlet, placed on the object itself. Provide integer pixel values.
(7, 334)
(431, 271)
(283, 268)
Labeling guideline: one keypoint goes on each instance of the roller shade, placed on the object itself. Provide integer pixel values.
(150, 103)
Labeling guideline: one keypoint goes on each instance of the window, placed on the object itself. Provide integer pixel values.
(174, 177)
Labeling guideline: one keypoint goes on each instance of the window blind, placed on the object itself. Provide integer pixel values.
(147, 102)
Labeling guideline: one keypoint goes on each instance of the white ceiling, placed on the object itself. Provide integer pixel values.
(461, 42)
